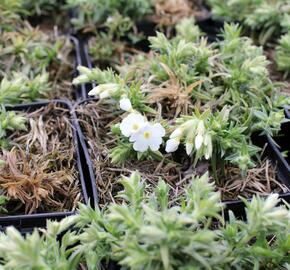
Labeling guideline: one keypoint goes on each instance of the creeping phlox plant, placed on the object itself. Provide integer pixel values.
(95, 12)
(10, 121)
(14, 11)
(283, 54)
(267, 17)
(210, 98)
(148, 231)
(32, 62)
(115, 24)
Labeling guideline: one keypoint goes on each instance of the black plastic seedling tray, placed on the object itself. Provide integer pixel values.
(26, 223)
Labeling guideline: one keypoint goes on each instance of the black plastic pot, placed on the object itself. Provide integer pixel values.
(80, 90)
(287, 112)
(277, 146)
(87, 165)
(26, 223)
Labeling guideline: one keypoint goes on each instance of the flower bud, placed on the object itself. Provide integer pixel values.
(172, 145)
(125, 104)
(198, 141)
(176, 133)
(189, 148)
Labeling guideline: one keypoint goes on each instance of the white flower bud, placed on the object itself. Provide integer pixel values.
(104, 94)
(176, 133)
(80, 79)
(172, 145)
(189, 148)
(95, 91)
(108, 88)
(198, 141)
(125, 104)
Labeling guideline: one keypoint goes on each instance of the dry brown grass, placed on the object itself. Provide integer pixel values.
(96, 119)
(173, 98)
(260, 180)
(170, 12)
(40, 174)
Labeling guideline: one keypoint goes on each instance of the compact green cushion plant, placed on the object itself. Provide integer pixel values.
(283, 54)
(267, 17)
(270, 20)
(150, 231)
(96, 12)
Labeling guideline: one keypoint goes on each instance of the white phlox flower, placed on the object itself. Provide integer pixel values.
(148, 136)
(132, 123)
(104, 90)
(141, 133)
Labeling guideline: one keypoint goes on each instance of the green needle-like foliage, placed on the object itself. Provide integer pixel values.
(93, 13)
(10, 11)
(267, 17)
(283, 54)
(147, 231)
(3, 199)
(10, 121)
(19, 88)
(40, 251)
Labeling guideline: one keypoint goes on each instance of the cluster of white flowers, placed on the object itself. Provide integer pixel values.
(195, 135)
(142, 133)
(145, 135)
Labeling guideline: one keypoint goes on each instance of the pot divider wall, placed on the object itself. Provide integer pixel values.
(80, 90)
(26, 223)
(87, 164)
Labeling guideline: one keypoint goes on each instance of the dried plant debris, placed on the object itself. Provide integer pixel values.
(170, 12)
(40, 172)
(261, 180)
(96, 118)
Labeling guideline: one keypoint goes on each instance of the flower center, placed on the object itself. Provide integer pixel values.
(147, 134)
(135, 126)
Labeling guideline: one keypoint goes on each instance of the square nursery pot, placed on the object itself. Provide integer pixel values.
(26, 223)
(279, 151)
(236, 206)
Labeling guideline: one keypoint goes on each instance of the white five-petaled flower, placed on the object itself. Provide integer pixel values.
(132, 123)
(148, 136)
(104, 90)
(125, 104)
(143, 134)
